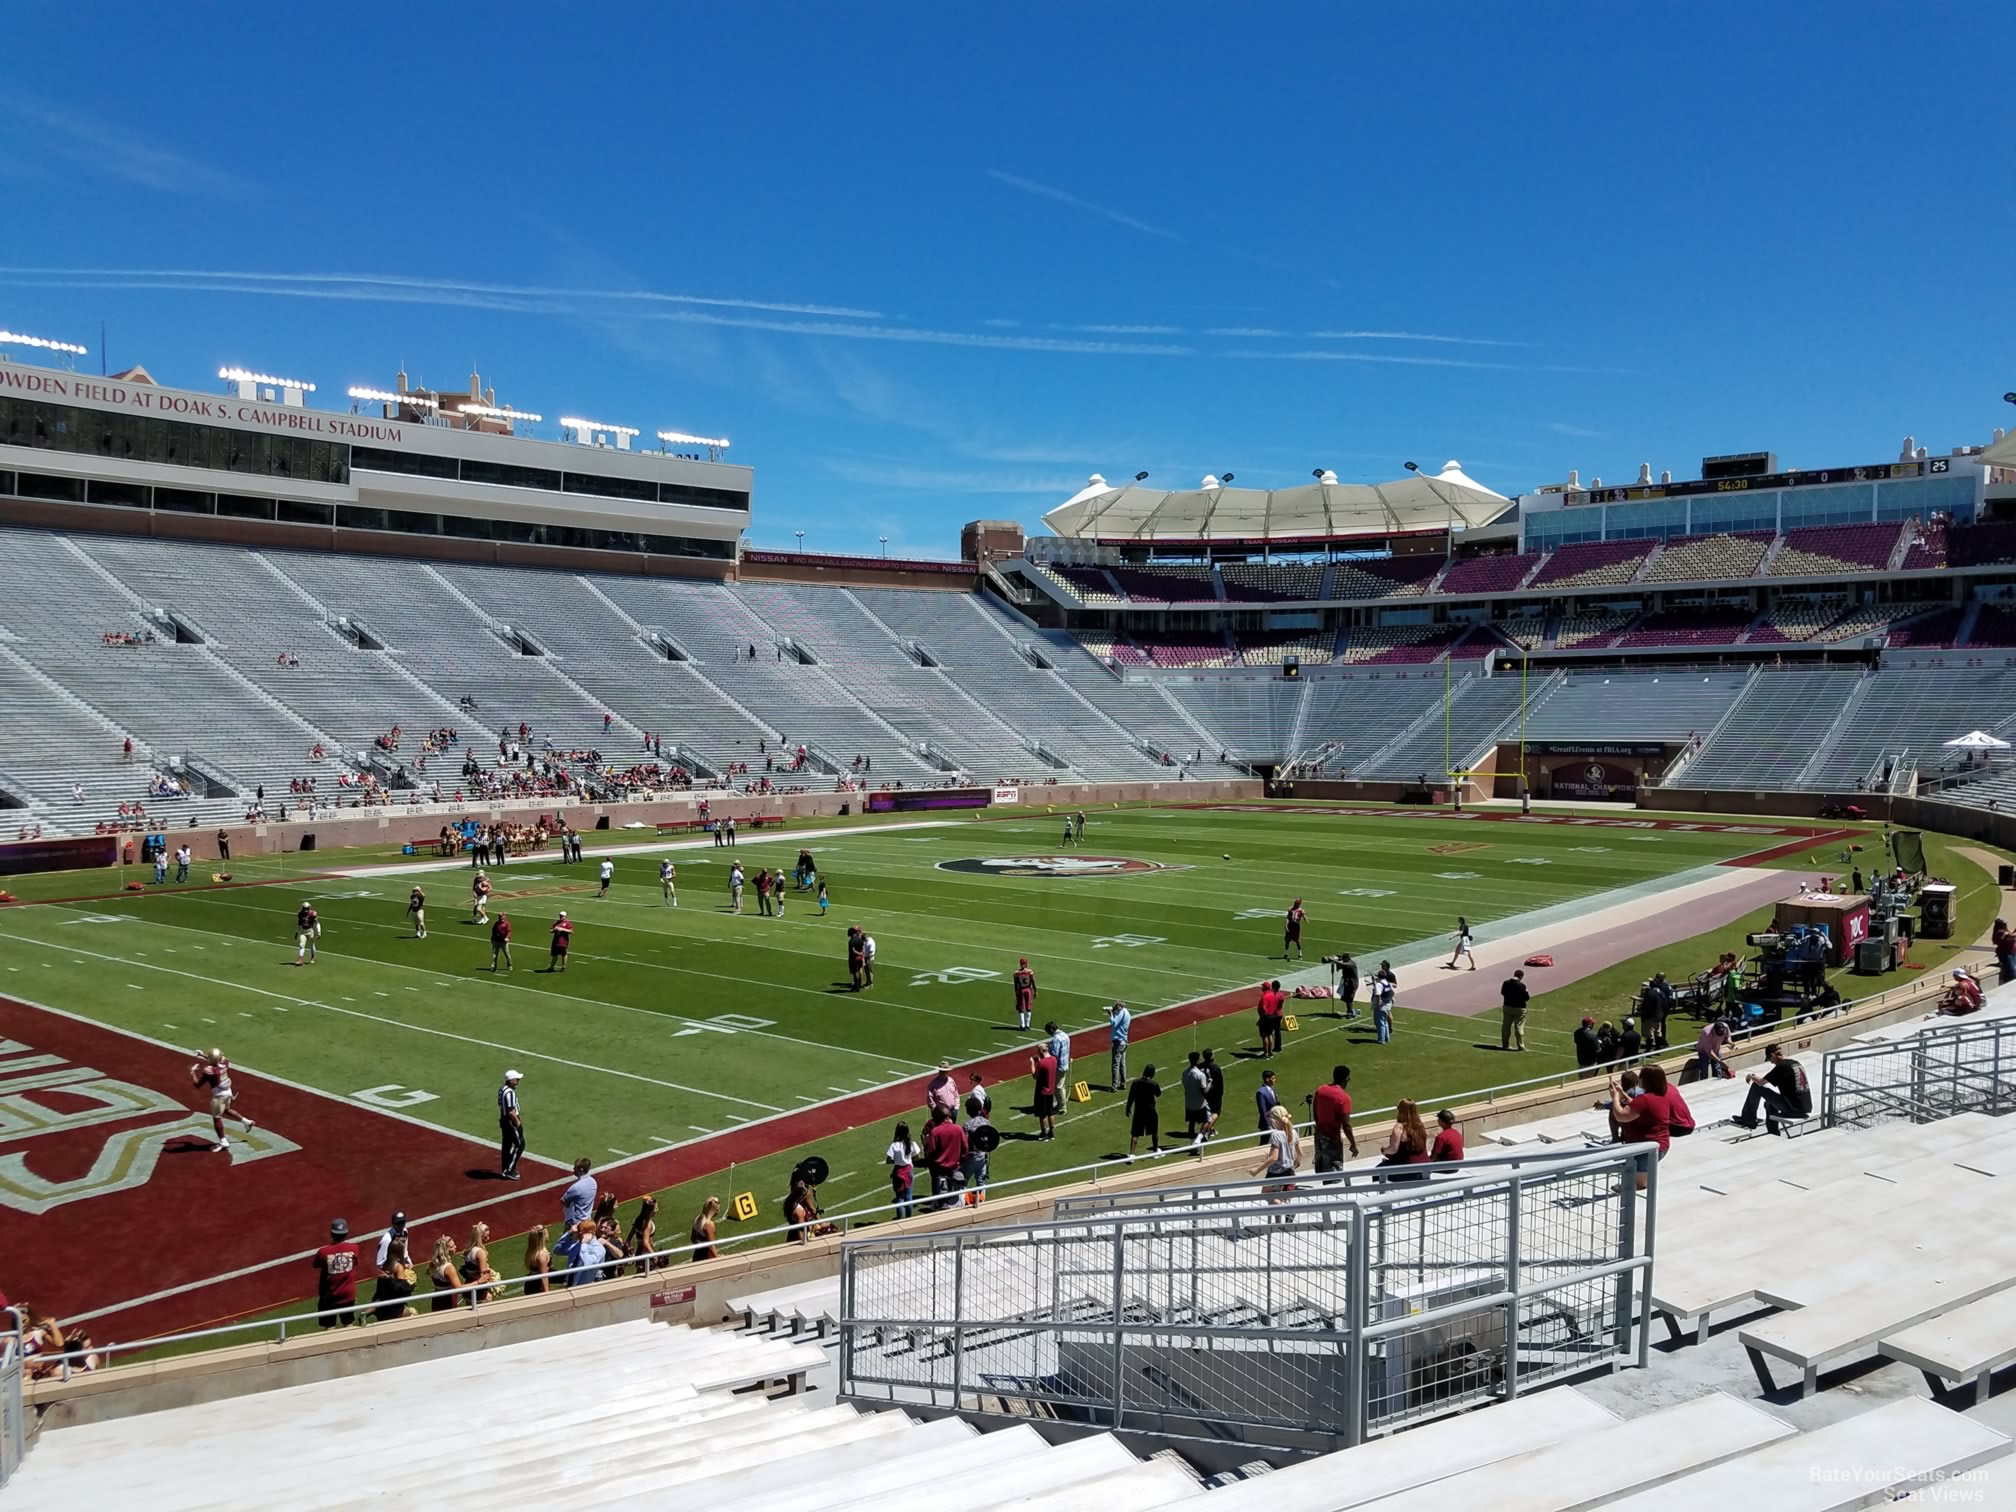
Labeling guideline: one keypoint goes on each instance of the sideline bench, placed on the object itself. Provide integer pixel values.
(1969, 1343)
(421, 844)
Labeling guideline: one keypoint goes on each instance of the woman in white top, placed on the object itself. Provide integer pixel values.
(901, 1158)
(1284, 1152)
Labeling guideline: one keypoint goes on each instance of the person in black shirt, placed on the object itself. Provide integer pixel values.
(1781, 1089)
(1653, 1005)
(1145, 1119)
(1214, 1090)
(1347, 982)
(1514, 995)
(1588, 1049)
(1630, 1043)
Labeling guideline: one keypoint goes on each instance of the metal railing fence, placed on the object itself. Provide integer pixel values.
(1943, 1069)
(1317, 1317)
(13, 1414)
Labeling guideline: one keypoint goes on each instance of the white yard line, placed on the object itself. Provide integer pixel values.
(521, 1051)
(654, 847)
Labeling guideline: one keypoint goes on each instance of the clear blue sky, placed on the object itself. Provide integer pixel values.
(930, 262)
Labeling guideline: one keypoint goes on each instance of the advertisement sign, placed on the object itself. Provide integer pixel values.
(928, 798)
(1007, 795)
(58, 853)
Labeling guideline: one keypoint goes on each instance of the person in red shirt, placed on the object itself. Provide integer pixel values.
(336, 1266)
(1332, 1104)
(1025, 996)
(500, 941)
(1043, 1068)
(1648, 1117)
(1273, 1003)
(563, 936)
(1448, 1143)
(945, 1147)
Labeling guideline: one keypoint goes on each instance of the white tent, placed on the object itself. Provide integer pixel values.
(2002, 453)
(1977, 740)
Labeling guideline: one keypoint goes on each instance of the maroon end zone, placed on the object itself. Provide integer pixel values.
(110, 1191)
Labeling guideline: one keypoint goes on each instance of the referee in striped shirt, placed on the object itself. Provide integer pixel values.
(510, 1127)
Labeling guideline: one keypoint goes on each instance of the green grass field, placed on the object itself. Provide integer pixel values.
(674, 1026)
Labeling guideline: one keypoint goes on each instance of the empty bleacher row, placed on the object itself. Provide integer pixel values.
(1721, 556)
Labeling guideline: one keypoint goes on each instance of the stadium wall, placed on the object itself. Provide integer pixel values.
(395, 825)
(699, 1293)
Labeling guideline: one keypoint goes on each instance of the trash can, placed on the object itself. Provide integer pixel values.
(2006, 876)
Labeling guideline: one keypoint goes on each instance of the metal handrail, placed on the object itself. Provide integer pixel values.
(1352, 1335)
(13, 1414)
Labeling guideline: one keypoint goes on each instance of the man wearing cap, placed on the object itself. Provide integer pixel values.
(336, 1277)
(941, 1093)
(396, 1231)
(510, 1127)
(1119, 1021)
(1964, 996)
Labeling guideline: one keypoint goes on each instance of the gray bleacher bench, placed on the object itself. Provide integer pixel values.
(1967, 1344)
(1849, 1324)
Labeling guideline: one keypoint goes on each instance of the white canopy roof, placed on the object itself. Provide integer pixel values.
(2002, 453)
(1977, 740)
(1323, 509)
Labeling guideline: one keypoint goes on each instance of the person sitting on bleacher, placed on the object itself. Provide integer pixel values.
(1964, 996)
(1782, 1090)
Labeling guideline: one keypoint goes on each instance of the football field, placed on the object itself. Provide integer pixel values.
(699, 1050)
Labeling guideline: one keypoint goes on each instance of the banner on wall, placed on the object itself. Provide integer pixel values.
(1593, 777)
(1007, 795)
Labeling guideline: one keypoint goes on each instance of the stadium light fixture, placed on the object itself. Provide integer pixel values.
(681, 438)
(801, 540)
(2006, 398)
(386, 396)
(1316, 473)
(1413, 467)
(1141, 477)
(15, 338)
(496, 412)
(1224, 477)
(885, 544)
(568, 423)
(267, 380)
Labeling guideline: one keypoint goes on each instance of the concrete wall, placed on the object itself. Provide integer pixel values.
(389, 827)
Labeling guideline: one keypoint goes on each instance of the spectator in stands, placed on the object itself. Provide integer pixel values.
(336, 1266)
(1964, 996)
(1214, 1092)
(1144, 1116)
(1407, 1141)
(1710, 1050)
(1588, 1048)
(1627, 1088)
(981, 1137)
(578, 1200)
(1330, 1108)
(1781, 1090)
(1654, 1003)
(396, 1280)
(1647, 1118)
(945, 1157)
(590, 1254)
(538, 1261)
(701, 1234)
(1266, 1098)
(1196, 1107)
(441, 1272)
(1284, 1152)
(1448, 1143)
(901, 1158)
